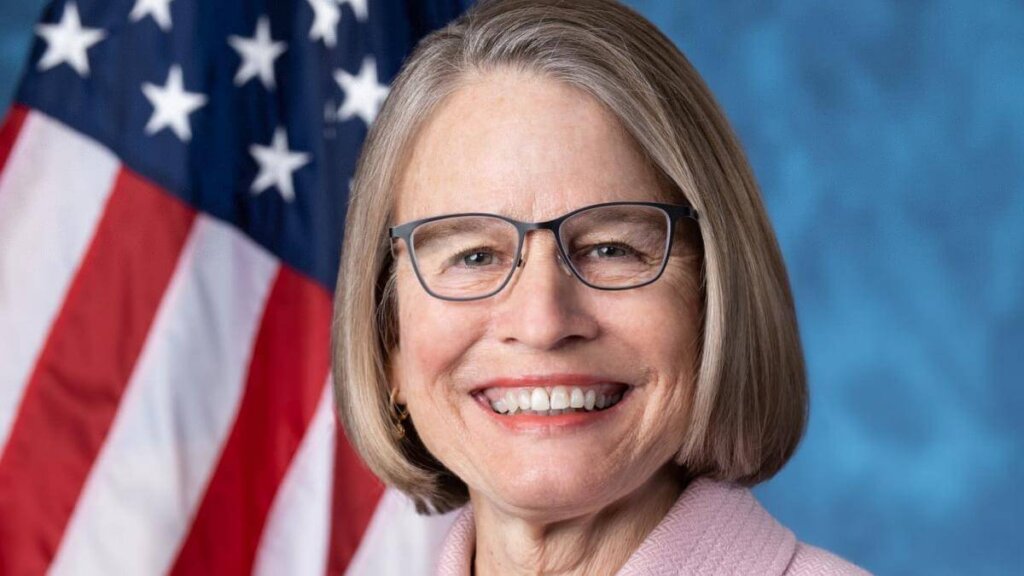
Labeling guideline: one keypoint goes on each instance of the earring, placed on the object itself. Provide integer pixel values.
(400, 414)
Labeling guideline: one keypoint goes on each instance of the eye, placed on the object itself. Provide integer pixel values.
(610, 251)
(473, 258)
(477, 258)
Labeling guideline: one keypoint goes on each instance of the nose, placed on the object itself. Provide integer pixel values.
(543, 307)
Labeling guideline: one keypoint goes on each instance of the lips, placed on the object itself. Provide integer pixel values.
(550, 395)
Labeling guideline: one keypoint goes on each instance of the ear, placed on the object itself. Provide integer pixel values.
(396, 376)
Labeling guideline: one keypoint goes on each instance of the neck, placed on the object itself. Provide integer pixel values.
(594, 543)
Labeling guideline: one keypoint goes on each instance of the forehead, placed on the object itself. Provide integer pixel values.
(522, 145)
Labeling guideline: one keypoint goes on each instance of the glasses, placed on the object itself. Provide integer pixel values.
(612, 246)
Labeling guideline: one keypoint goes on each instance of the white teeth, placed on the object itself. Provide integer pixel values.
(524, 399)
(539, 400)
(512, 402)
(559, 398)
(576, 398)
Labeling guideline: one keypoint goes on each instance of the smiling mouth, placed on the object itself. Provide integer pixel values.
(553, 400)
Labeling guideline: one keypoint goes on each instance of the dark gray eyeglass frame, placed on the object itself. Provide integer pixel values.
(672, 211)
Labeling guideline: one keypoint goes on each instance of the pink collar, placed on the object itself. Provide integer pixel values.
(713, 528)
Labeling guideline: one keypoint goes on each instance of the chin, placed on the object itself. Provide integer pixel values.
(556, 488)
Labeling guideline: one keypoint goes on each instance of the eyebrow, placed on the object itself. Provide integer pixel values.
(440, 228)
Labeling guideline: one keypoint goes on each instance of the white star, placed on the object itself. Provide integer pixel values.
(364, 95)
(172, 105)
(325, 21)
(258, 54)
(358, 6)
(68, 42)
(277, 163)
(160, 10)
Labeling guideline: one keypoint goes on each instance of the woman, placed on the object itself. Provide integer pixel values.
(561, 303)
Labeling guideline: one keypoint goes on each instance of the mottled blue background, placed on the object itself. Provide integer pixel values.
(888, 138)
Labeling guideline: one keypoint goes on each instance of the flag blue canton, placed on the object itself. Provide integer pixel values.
(251, 111)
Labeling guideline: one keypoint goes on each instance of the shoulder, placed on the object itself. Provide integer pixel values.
(718, 527)
(813, 561)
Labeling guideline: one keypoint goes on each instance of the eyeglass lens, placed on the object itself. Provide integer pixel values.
(609, 247)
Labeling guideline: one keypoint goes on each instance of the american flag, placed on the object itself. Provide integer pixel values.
(173, 184)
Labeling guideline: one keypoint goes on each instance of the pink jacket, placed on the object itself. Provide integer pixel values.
(713, 528)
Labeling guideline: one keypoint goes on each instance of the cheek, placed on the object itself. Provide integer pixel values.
(433, 335)
(681, 301)
(664, 323)
(680, 344)
(434, 340)
(663, 327)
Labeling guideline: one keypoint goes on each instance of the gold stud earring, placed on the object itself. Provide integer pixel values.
(399, 414)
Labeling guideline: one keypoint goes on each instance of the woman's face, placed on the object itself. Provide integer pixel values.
(533, 149)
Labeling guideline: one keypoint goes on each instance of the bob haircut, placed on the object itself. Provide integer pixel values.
(749, 404)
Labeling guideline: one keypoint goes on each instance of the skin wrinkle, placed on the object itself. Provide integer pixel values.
(532, 148)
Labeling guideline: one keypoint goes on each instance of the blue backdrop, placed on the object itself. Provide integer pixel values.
(888, 138)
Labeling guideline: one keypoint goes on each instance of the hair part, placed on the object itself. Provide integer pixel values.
(747, 414)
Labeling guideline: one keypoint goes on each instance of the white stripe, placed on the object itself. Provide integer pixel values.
(398, 541)
(182, 399)
(298, 526)
(52, 193)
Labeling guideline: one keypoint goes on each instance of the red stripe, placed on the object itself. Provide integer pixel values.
(77, 383)
(356, 494)
(286, 379)
(9, 131)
